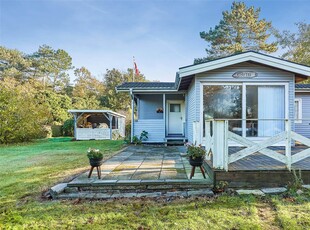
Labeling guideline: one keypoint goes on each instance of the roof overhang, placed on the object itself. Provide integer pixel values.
(301, 71)
(148, 90)
(75, 111)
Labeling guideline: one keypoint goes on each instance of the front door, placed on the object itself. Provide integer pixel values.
(175, 117)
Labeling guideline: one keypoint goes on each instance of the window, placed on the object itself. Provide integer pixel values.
(252, 110)
(223, 101)
(298, 110)
(175, 108)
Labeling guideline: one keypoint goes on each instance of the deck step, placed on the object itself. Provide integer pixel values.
(143, 185)
(135, 194)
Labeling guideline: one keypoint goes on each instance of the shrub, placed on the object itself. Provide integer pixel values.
(21, 117)
(56, 130)
(68, 128)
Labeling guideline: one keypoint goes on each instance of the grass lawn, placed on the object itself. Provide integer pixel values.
(28, 170)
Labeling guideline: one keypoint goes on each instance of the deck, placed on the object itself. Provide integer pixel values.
(258, 170)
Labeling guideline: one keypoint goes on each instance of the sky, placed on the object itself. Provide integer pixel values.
(162, 35)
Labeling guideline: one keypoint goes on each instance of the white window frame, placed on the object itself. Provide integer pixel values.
(299, 109)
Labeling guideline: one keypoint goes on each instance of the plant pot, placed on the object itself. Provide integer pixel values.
(95, 162)
(198, 161)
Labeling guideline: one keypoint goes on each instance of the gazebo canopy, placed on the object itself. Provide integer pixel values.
(110, 112)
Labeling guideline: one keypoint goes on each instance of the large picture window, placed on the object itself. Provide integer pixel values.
(223, 101)
(260, 114)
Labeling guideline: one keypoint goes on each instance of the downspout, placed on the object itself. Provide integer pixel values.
(132, 114)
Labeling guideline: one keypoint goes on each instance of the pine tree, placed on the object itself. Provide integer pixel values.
(240, 30)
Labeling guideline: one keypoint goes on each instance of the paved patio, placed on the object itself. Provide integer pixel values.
(146, 163)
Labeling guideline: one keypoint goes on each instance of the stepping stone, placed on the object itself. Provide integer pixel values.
(278, 190)
(72, 195)
(103, 195)
(149, 194)
(201, 192)
(306, 186)
(128, 182)
(256, 192)
(124, 195)
(153, 182)
(104, 182)
(176, 193)
(57, 189)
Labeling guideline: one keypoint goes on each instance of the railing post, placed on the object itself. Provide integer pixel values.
(196, 133)
(288, 144)
(220, 154)
(208, 139)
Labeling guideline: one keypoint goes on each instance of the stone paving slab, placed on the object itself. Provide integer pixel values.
(124, 195)
(277, 190)
(149, 194)
(306, 186)
(104, 182)
(250, 192)
(128, 182)
(200, 192)
(153, 182)
(176, 193)
(102, 195)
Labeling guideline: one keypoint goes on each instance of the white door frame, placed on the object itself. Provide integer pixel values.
(168, 102)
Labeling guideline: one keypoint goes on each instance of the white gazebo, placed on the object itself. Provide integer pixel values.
(98, 124)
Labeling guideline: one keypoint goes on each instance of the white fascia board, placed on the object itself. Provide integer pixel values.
(95, 111)
(239, 58)
(148, 90)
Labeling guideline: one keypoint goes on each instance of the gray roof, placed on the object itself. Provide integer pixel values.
(147, 85)
(302, 86)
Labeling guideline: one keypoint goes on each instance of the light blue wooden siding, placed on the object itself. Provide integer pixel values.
(155, 128)
(148, 104)
(304, 127)
(191, 109)
(265, 74)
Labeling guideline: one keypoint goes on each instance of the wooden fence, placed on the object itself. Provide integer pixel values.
(218, 136)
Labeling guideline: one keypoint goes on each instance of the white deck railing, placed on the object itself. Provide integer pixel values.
(218, 136)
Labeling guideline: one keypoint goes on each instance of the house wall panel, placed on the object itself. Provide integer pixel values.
(191, 109)
(304, 127)
(154, 127)
(148, 105)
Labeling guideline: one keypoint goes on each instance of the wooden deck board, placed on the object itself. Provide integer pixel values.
(258, 161)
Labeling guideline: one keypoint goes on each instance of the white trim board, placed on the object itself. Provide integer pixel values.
(244, 57)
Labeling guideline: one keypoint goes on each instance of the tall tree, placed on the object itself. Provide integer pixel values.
(21, 118)
(51, 66)
(87, 90)
(13, 63)
(296, 45)
(240, 30)
(113, 78)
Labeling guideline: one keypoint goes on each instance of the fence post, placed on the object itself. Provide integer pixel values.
(288, 144)
(220, 154)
